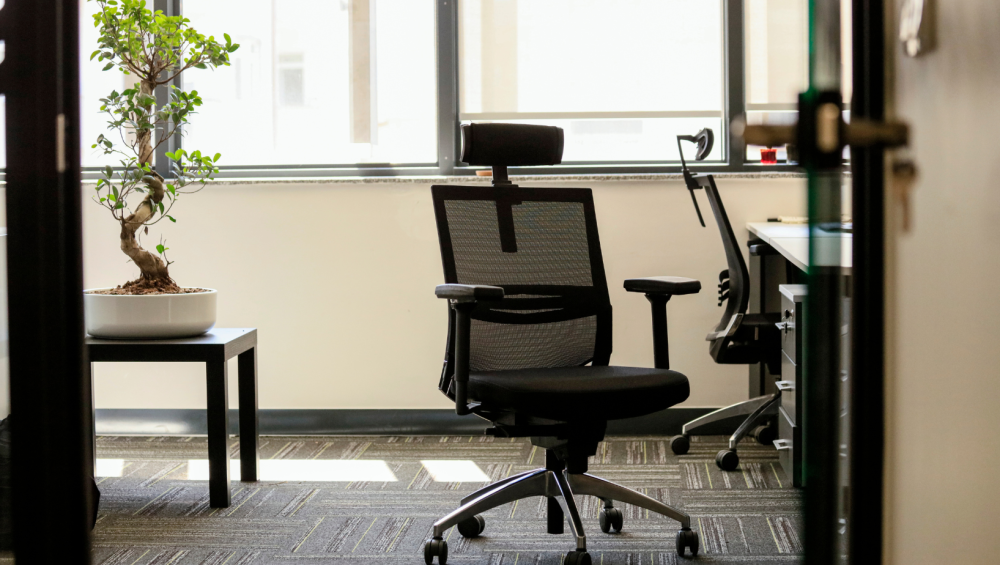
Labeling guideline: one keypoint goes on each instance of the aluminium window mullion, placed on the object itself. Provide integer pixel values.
(160, 161)
(735, 81)
(448, 125)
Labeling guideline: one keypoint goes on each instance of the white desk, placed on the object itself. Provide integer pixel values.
(792, 241)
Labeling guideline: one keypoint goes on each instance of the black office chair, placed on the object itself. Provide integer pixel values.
(739, 338)
(530, 336)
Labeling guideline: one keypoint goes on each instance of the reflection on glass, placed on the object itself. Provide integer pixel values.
(455, 471)
(311, 470)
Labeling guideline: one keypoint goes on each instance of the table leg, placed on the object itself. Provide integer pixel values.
(249, 427)
(88, 388)
(218, 434)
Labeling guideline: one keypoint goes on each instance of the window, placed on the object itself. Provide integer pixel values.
(318, 82)
(776, 45)
(328, 87)
(622, 78)
(94, 85)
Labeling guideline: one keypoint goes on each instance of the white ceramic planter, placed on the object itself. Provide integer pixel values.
(154, 316)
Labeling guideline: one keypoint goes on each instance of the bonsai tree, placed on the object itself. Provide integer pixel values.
(154, 49)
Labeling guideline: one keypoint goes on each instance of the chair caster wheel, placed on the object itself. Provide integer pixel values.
(727, 460)
(680, 445)
(611, 519)
(577, 558)
(687, 538)
(472, 527)
(765, 435)
(435, 548)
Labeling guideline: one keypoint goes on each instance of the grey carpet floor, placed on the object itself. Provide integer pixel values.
(156, 512)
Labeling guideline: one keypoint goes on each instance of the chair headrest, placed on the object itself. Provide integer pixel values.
(513, 145)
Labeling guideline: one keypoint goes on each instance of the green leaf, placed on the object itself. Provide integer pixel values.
(160, 248)
(108, 66)
(229, 41)
(171, 219)
(94, 54)
(217, 155)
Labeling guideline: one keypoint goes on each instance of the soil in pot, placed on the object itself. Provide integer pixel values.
(142, 286)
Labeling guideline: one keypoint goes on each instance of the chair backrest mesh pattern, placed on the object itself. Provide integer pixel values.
(552, 246)
(556, 311)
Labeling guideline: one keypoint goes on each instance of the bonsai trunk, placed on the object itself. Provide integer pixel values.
(154, 275)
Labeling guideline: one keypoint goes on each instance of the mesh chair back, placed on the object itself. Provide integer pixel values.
(542, 247)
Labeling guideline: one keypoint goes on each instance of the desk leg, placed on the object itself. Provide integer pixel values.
(218, 434)
(249, 428)
(767, 273)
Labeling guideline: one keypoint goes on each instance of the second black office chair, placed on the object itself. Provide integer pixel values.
(529, 338)
(740, 338)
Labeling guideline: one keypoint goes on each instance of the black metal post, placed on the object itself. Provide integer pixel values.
(51, 442)
(868, 292)
(661, 346)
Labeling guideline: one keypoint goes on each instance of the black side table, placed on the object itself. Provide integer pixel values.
(214, 349)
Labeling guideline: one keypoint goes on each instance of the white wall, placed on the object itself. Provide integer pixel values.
(339, 280)
(943, 503)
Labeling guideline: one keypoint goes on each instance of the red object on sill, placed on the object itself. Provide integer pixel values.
(769, 156)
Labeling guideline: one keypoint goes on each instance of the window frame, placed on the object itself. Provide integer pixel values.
(449, 122)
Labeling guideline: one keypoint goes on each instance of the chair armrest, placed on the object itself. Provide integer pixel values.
(658, 291)
(674, 286)
(468, 292)
(463, 299)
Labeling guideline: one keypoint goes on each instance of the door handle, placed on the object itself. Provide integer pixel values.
(858, 133)
(821, 132)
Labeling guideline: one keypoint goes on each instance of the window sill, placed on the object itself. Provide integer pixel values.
(517, 179)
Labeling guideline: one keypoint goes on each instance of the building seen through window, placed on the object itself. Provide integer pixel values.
(622, 78)
(291, 92)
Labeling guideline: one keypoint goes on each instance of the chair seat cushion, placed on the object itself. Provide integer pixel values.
(579, 393)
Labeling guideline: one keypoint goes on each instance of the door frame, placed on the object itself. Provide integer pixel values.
(52, 441)
(867, 395)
